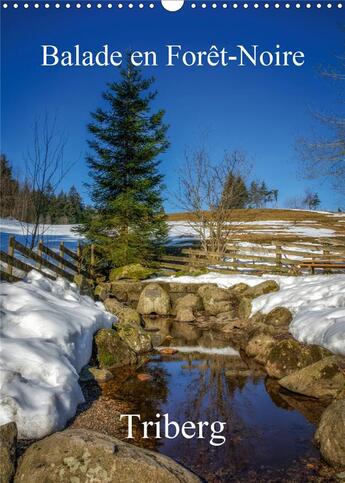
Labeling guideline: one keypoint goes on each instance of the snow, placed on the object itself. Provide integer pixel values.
(317, 303)
(14, 227)
(182, 232)
(46, 338)
(221, 351)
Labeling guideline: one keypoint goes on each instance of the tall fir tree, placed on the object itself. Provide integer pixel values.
(127, 139)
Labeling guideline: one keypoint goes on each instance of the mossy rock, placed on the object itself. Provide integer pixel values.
(94, 374)
(81, 456)
(134, 271)
(261, 289)
(134, 336)
(279, 317)
(239, 288)
(124, 290)
(8, 457)
(102, 291)
(192, 272)
(259, 347)
(122, 312)
(330, 435)
(244, 308)
(154, 299)
(112, 350)
(187, 306)
(323, 379)
(218, 300)
(288, 356)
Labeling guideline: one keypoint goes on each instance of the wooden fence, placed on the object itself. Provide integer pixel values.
(292, 258)
(19, 260)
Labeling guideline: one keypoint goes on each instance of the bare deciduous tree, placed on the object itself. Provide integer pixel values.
(324, 157)
(45, 169)
(201, 194)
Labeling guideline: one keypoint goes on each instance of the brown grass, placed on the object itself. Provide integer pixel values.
(300, 218)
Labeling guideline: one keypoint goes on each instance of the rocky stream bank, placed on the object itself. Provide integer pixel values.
(160, 316)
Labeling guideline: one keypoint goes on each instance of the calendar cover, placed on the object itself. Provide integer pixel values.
(172, 241)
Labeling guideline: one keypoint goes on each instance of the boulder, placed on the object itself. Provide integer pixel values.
(192, 272)
(288, 356)
(134, 336)
(261, 289)
(101, 375)
(330, 435)
(323, 379)
(186, 307)
(134, 271)
(218, 300)
(94, 374)
(258, 325)
(279, 317)
(122, 312)
(8, 442)
(259, 347)
(239, 288)
(244, 308)
(258, 319)
(154, 300)
(126, 290)
(80, 456)
(182, 288)
(102, 291)
(112, 351)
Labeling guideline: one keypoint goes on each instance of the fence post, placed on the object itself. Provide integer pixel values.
(192, 260)
(40, 252)
(79, 262)
(235, 255)
(326, 253)
(62, 254)
(92, 261)
(10, 253)
(278, 256)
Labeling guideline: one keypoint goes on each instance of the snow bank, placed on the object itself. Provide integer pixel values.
(318, 305)
(46, 338)
(316, 301)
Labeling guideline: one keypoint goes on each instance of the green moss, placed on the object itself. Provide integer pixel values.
(134, 271)
(105, 359)
(192, 272)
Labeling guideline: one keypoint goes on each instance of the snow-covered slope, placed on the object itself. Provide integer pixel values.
(316, 301)
(46, 338)
(14, 227)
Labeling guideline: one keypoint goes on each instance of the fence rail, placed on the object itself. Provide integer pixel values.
(19, 260)
(277, 257)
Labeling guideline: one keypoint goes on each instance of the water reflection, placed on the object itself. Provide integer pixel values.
(268, 432)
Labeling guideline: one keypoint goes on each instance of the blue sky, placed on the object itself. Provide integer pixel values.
(259, 110)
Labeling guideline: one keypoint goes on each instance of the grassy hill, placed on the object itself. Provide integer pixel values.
(266, 225)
